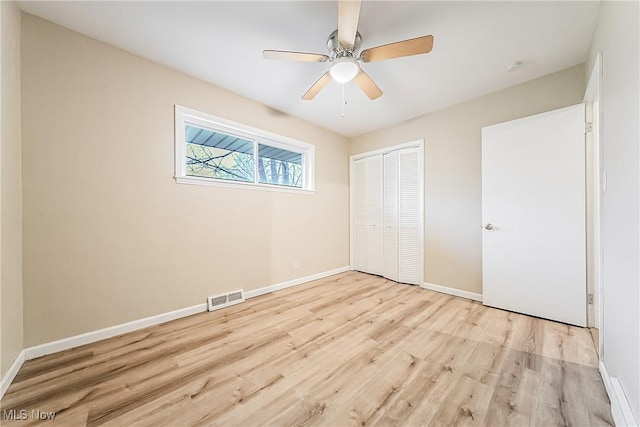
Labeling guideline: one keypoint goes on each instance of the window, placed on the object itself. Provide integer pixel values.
(211, 154)
(214, 151)
(279, 167)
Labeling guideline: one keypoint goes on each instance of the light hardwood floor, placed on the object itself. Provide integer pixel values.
(351, 349)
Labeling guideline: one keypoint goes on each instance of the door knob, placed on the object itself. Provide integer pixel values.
(488, 226)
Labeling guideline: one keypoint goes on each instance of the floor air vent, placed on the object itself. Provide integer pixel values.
(225, 300)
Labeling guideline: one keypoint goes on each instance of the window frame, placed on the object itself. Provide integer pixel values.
(184, 116)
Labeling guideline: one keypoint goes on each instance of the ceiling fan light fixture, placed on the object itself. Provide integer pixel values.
(344, 69)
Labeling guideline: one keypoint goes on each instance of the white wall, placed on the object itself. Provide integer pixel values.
(617, 37)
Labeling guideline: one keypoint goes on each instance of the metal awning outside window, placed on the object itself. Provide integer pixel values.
(210, 138)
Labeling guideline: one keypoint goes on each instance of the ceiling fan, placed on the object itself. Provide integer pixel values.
(343, 45)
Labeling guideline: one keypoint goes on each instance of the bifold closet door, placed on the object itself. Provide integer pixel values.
(374, 211)
(410, 217)
(360, 229)
(367, 215)
(387, 215)
(390, 220)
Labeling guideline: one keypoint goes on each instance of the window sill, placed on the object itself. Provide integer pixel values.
(192, 180)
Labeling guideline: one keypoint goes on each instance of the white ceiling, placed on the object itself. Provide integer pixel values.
(222, 41)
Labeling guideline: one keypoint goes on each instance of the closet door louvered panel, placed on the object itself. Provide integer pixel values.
(390, 219)
(360, 217)
(375, 213)
(410, 218)
(387, 218)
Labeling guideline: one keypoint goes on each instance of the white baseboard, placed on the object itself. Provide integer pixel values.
(294, 282)
(453, 291)
(8, 378)
(112, 331)
(620, 408)
(101, 334)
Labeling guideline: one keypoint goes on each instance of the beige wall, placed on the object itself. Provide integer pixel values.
(109, 237)
(11, 311)
(617, 36)
(452, 137)
(11, 330)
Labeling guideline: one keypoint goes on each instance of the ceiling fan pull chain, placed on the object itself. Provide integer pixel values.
(344, 98)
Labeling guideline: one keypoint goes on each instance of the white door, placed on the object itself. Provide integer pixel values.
(390, 220)
(360, 222)
(410, 219)
(374, 211)
(367, 215)
(533, 209)
(387, 199)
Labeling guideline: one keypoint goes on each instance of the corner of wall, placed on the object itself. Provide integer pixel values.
(616, 36)
(11, 287)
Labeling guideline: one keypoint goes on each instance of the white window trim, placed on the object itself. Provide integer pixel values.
(185, 116)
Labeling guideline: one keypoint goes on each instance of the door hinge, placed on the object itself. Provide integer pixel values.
(590, 299)
(588, 127)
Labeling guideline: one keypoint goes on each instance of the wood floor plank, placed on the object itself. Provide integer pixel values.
(351, 349)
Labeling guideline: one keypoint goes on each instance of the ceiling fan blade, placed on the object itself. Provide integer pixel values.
(367, 85)
(348, 16)
(409, 47)
(294, 56)
(317, 87)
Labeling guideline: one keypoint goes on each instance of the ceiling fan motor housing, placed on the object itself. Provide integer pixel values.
(336, 50)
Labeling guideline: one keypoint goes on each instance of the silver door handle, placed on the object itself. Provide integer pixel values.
(488, 226)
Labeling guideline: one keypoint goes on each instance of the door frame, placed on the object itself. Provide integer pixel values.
(593, 104)
(418, 143)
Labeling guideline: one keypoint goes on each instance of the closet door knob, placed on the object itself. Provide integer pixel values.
(488, 226)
